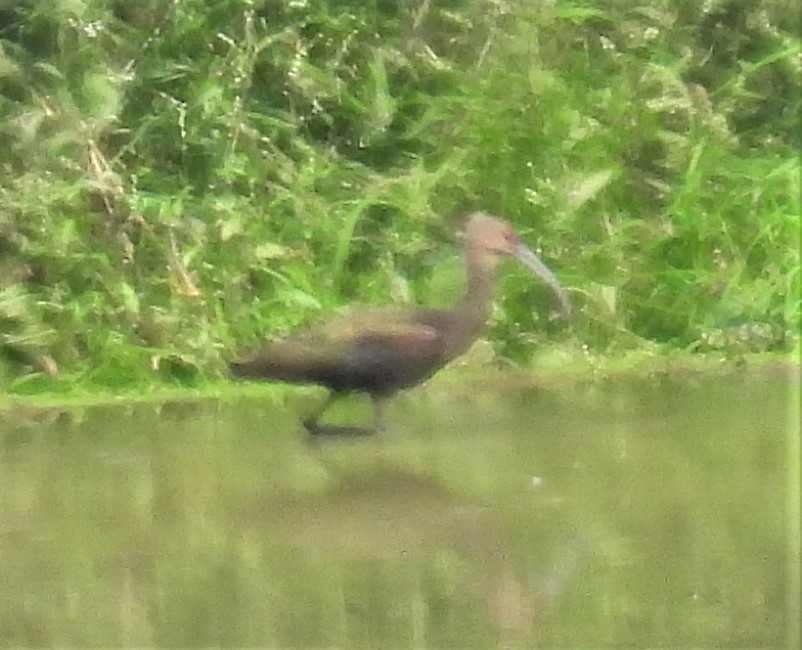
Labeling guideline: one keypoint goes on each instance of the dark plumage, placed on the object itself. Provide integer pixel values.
(380, 351)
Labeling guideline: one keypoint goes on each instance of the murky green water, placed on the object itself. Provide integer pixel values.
(646, 513)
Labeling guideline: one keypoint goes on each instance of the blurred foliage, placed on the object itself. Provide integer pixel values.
(180, 179)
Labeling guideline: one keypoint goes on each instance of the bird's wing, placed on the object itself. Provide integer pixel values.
(380, 336)
(388, 350)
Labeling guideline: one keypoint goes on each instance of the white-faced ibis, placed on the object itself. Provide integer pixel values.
(380, 351)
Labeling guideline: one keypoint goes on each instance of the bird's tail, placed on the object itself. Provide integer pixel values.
(283, 361)
(265, 368)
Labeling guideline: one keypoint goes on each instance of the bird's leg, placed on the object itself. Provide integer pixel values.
(312, 425)
(311, 421)
(379, 404)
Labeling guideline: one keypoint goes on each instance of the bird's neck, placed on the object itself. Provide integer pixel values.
(473, 309)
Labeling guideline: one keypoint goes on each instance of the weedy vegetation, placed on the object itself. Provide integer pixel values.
(181, 179)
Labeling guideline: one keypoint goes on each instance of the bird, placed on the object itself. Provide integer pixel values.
(382, 350)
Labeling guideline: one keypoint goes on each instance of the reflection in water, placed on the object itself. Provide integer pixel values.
(415, 525)
(648, 513)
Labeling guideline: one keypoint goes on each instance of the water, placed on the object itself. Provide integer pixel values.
(649, 512)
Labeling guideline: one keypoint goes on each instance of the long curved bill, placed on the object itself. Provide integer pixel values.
(534, 264)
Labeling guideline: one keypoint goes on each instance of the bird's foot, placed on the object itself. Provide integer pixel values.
(316, 429)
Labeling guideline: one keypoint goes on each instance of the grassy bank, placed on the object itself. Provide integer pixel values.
(466, 378)
(180, 180)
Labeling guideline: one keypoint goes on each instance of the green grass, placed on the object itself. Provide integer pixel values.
(180, 180)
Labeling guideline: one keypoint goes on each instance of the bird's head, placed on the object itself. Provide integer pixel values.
(490, 237)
